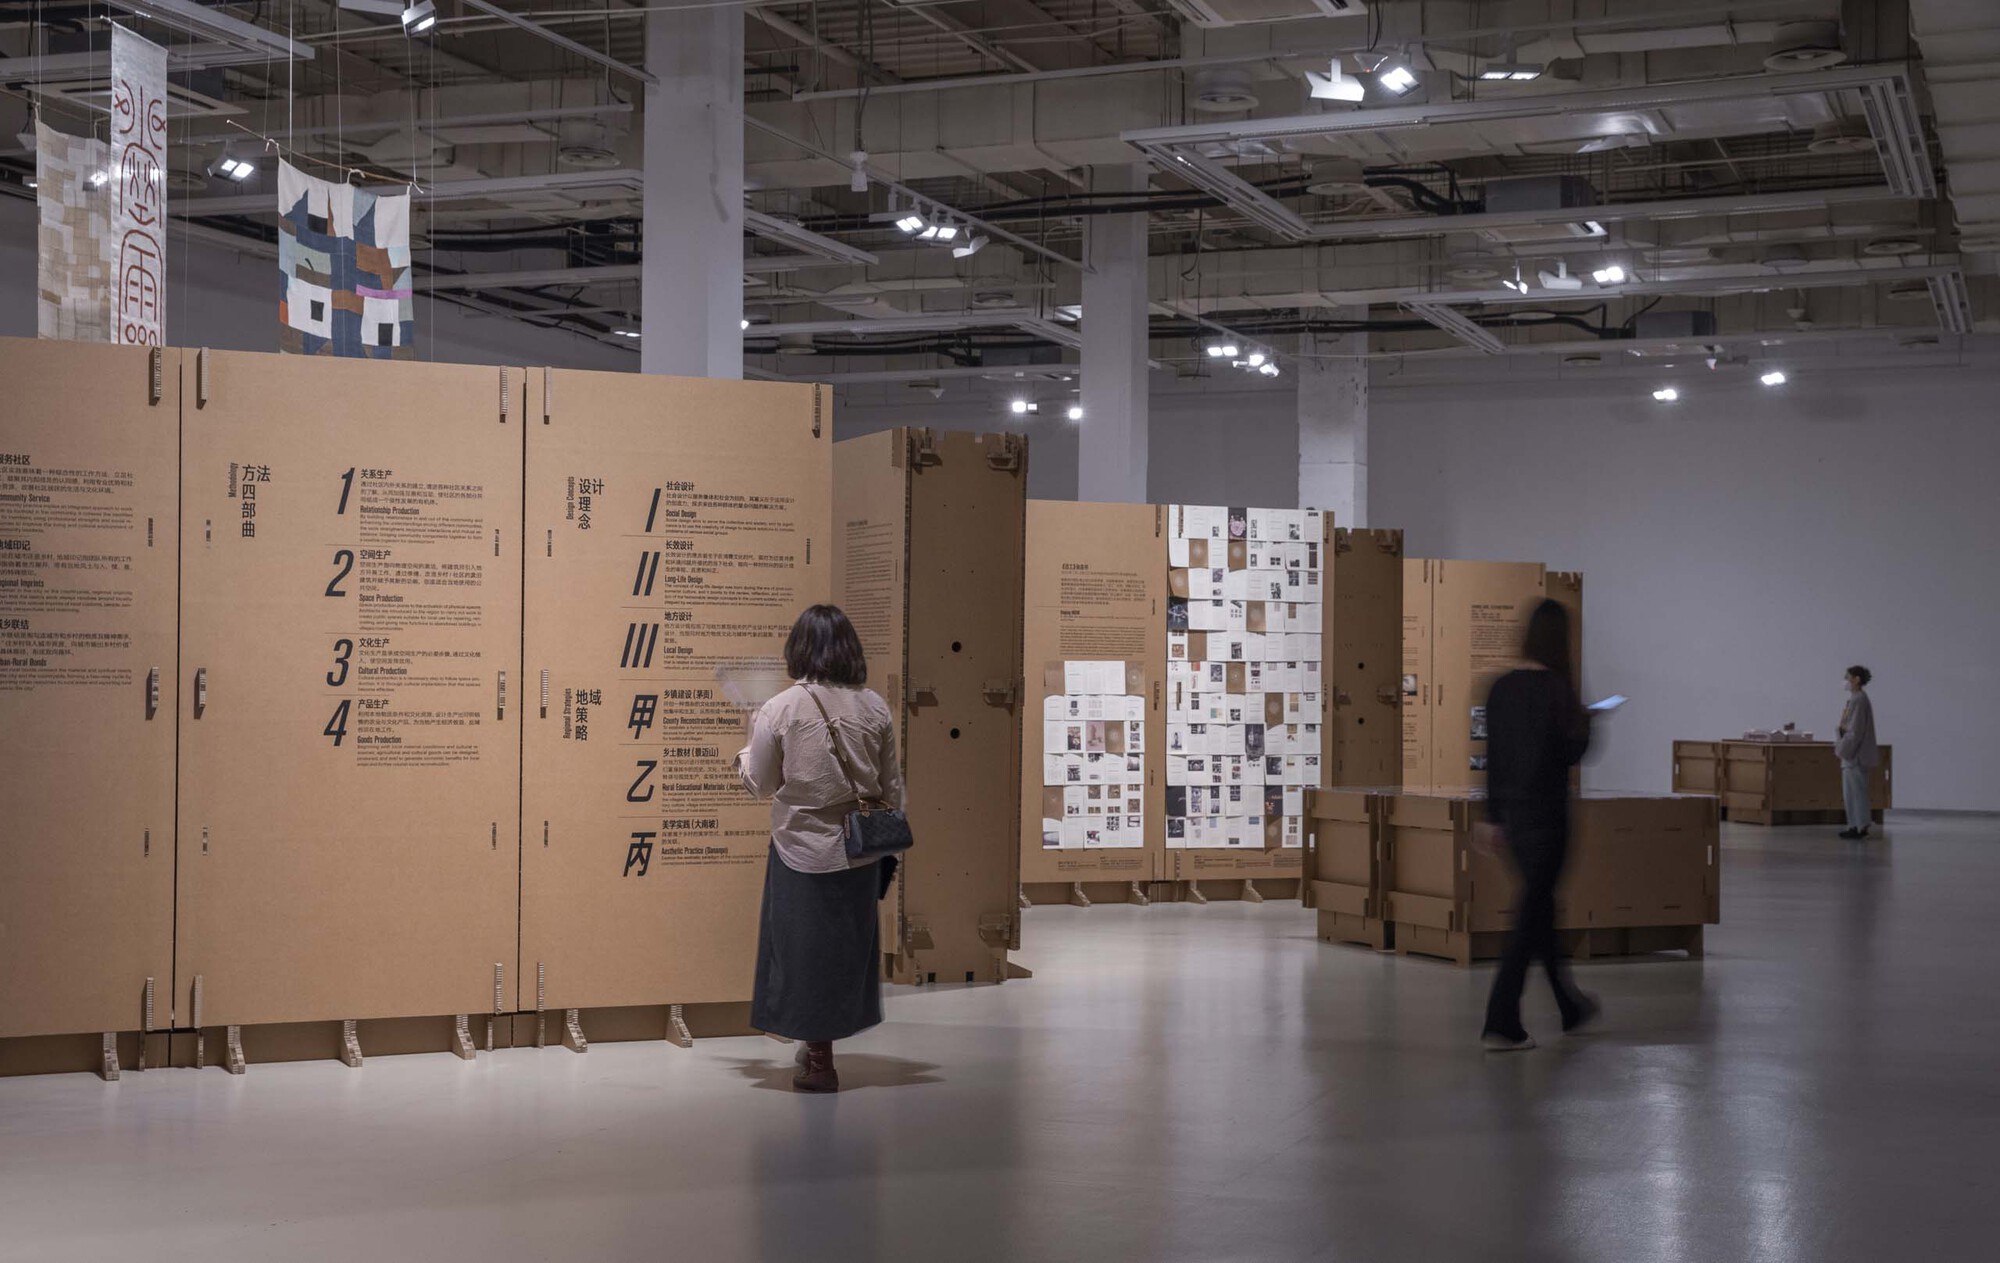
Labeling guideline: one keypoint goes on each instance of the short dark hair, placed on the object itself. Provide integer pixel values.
(1546, 641)
(1861, 673)
(824, 648)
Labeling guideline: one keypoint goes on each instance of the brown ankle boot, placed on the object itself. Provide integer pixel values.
(816, 1073)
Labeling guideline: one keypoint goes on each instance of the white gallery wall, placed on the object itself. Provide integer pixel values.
(1740, 548)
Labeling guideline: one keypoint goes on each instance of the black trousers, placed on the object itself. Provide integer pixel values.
(1539, 855)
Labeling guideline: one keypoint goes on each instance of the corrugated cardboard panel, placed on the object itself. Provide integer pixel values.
(1565, 587)
(1095, 590)
(89, 481)
(968, 499)
(675, 526)
(1363, 635)
(1478, 611)
(871, 557)
(351, 602)
(1417, 684)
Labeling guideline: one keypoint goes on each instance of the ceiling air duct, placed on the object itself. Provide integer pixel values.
(1806, 46)
(1249, 12)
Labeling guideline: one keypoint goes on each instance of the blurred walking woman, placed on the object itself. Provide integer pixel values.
(819, 952)
(1537, 730)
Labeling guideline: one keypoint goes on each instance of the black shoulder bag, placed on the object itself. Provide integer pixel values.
(874, 828)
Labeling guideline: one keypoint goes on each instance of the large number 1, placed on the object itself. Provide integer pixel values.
(343, 649)
(344, 558)
(346, 485)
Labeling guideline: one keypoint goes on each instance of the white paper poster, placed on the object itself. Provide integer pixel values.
(73, 244)
(138, 190)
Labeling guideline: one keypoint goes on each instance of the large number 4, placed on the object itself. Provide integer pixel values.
(344, 558)
(337, 726)
(343, 649)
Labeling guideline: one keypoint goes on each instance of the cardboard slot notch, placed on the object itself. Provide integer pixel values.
(156, 376)
(201, 378)
(152, 692)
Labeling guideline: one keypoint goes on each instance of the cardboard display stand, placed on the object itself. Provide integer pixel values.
(1776, 782)
(676, 527)
(351, 655)
(1460, 635)
(1364, 619)
(1095, 591)
(1343, 866)
(930, 529)
(1416, 684)
(88, 697)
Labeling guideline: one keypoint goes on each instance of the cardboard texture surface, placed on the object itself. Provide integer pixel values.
(1636, 863)
(1767, 782)
(1095, 590)
(1478, 611)
(1364, 629)
(89, 484)
(930, 531)
(350, 603)
(1417, 683)
(1344, 881)
(675, 526)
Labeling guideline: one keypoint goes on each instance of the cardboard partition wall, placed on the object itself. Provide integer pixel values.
(89, 481)
(928, 565)
(1246, 703)
(1363, 655)
(1095, 595)
(349, 746)
(676, 527)
(1417, 685)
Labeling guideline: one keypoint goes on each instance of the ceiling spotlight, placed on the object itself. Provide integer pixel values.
(930, 232)
(1560, 278)
(1229, 350)
(1517, 71)
(1609, 274)
(746, 322)
(1335, 85)
(1666, 394)
(1397, 79)
(944, 232)
(233, 168)
(857, 179)
(1775, 377)
(1215, 350)
(419, 17)
(1268, 369)
(911, 222)
(1255, 359)
(1018, 407)
(971, 246)
(625, 333)
(1518, 285)
(1076, 412)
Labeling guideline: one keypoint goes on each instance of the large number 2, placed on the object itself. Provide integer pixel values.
(344, 558)
(343, 649)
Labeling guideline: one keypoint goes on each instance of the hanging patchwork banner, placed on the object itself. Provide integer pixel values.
(138, 190)
(73, 243)
(344, 258)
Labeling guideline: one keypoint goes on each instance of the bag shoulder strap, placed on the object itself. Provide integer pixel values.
(834, 741)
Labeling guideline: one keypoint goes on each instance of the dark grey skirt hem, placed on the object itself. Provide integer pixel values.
(819, 953)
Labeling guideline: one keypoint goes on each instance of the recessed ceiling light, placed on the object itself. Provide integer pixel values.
(420, 17)
(1018, 407)
(1609, 274)
(1666, 394)
(1773, 378)
(1076, 412)
(1519, 71)
(1397, 79)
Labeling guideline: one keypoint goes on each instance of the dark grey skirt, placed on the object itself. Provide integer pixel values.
(819, 953)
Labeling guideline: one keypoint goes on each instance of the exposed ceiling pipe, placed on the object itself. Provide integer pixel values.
(867, 70)
(560, 41)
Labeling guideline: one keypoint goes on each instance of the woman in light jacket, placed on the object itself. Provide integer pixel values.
(1855, 747)
(819, 951)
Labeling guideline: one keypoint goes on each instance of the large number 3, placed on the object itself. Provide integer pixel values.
(344, 558)
(343, 649)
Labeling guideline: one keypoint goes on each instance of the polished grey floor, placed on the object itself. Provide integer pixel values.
(1175, 1083)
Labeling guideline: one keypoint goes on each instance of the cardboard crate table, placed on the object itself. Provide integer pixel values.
(1344, 865)
(1643, 876)
(1775, 782)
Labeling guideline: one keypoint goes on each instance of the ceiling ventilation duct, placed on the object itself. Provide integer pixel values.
(1224, 91)
(1806, 46)
(587, 143)
(1540, 193)
(1248, 12)
(1843, 135)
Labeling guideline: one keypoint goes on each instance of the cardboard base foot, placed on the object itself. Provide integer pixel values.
(1076, 895)
(1194, 893)
(350, 1045)
(573, 1032)
(677, 1028)
(461, 1038)
(1250, 892)
(235, 1064)
(1138, 895)
(108, 1068)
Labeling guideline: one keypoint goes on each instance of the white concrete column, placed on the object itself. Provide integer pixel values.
(691, 277)
(1112, 448)
(1333, 424)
